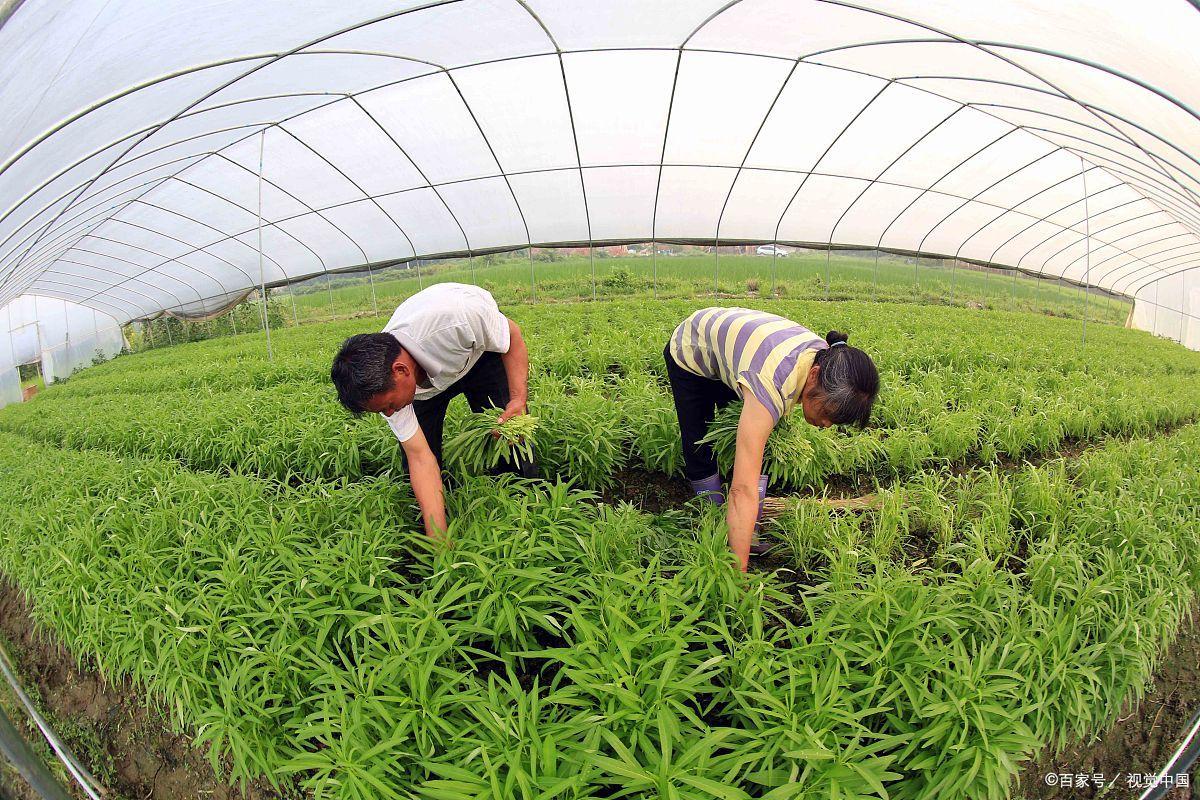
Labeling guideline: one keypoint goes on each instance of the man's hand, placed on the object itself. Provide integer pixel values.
(515, 407)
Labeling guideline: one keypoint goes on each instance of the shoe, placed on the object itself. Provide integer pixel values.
(710, 489)
(757, 545)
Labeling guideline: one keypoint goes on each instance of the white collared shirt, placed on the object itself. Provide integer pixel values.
(446, 328)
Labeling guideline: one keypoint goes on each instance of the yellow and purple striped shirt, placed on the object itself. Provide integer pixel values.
(744, 348)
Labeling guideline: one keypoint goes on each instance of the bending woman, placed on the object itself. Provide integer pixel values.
(718, 355)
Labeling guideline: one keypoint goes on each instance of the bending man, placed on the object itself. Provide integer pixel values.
(447, 340)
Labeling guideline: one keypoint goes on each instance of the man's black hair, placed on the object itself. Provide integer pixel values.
(363, 369)
(849, 380)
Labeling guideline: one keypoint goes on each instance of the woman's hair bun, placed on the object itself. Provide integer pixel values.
(835, 337)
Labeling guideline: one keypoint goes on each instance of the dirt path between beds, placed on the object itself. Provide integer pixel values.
(1143, 739)
(126, 742)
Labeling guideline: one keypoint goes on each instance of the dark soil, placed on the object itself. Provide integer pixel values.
(652, 492)
(1142, 740)
(119, 736)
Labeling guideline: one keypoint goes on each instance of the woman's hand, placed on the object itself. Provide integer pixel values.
(754, 427)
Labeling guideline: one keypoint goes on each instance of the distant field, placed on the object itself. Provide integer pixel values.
(801, 276)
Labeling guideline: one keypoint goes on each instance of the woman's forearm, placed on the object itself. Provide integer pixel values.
(741, 514)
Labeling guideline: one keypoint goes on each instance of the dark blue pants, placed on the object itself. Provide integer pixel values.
(485, 385)
(697, 400)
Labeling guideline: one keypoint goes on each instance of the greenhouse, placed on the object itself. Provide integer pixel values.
(960, 240)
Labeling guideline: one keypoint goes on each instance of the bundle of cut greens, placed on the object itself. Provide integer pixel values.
(475, 449)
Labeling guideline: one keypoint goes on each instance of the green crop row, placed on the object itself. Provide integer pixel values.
(574, 650)
(1030, 606)
(593, 426)
(620, 337)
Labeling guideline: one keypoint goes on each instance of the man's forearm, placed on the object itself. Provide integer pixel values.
(427, 486)
(516, 366)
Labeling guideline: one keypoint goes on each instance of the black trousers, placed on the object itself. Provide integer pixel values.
(697, 400)
(485, 385)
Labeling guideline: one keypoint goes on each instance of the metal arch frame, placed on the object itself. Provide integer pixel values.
(787, 79)
(219, 154)
(309, 51)
(587, 214)
(1109, 227)
(669, 112)
(492, 150)
(177, 298)
(948, 37)
(260, 125)
(76, 287)
(1035, 75)
(81, 211)
(198, 187)
(353, 183)
(142, 201)
(1071, 227)
(165, 259)
(975, 197)
(984, 46)
(1145, 280)
(1003, 209)
(175, 260)
(662, 158)
(874, 181)
(114, 302)
(1170, 274)
(930, 189)
(1089, 106)
(783, 214)
(95, 221)
(261, 179)
(77, 248)
(1189, 261)
(1129, 264)
(1045, 218)
(1158, 187)
(1060, 210)
(1111, 243)
(168, 237)
(32, 193)
(151, 128)
(365, 194)
(417, 167)
(411, 78)
(122, 313)
(264, 126)
(202, 98)
(1117, 166)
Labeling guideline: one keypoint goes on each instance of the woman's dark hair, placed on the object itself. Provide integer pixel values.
(363, 369)
(849, 380)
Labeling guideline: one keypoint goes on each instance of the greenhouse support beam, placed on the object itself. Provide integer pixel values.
(262, 140)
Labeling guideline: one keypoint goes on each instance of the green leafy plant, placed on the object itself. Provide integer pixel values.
(481, 444)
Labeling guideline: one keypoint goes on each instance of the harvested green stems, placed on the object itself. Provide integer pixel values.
(213, 526)
(481, 444)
